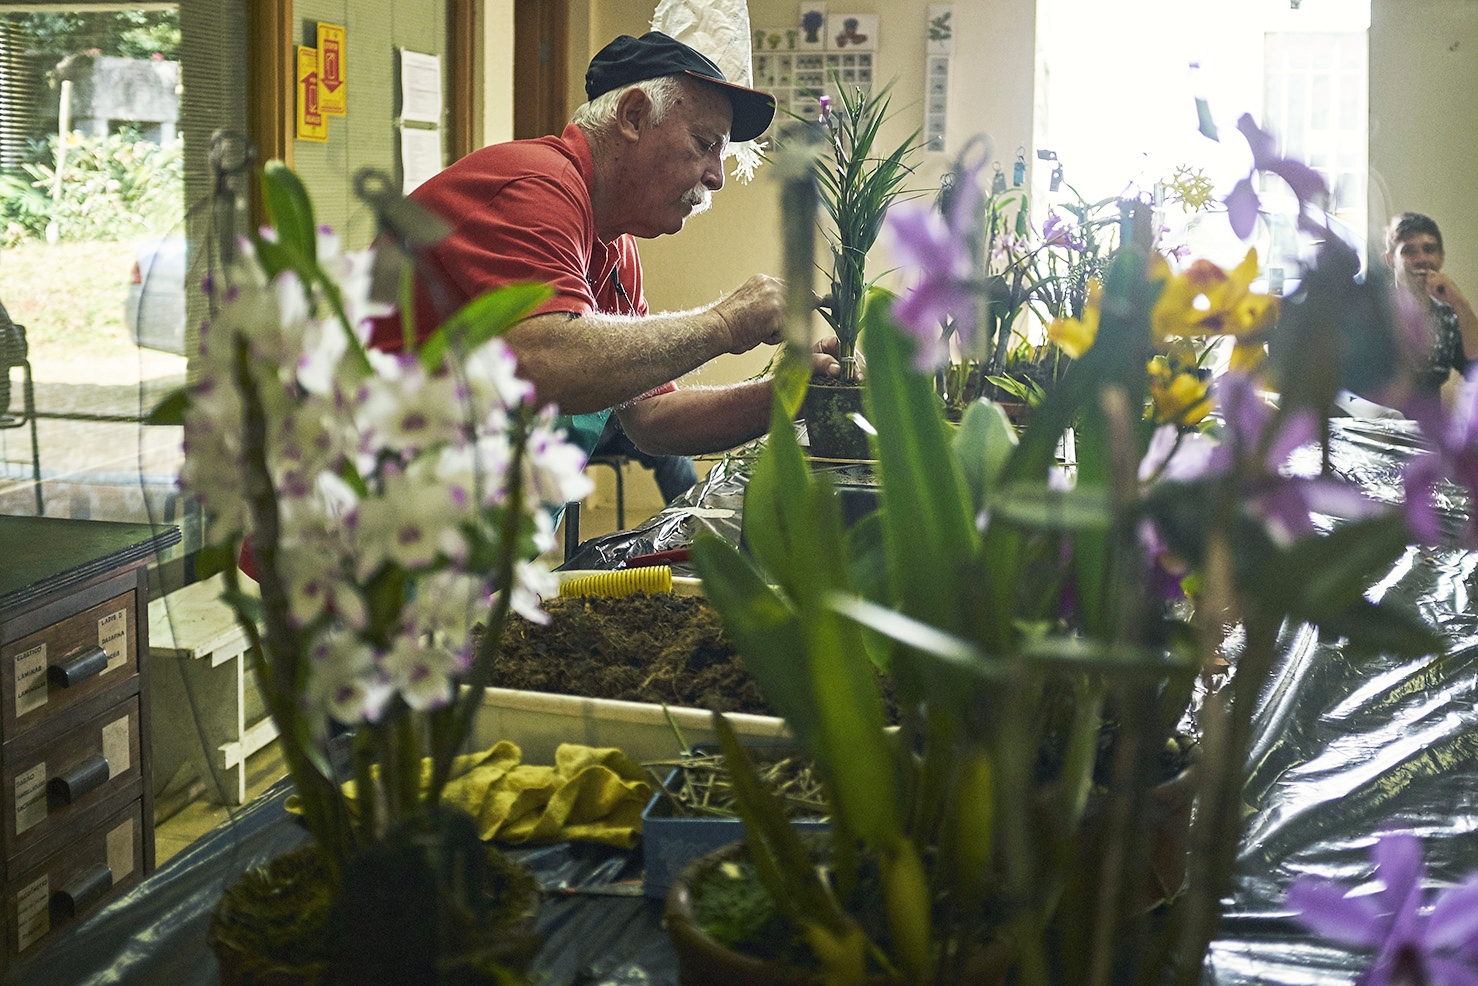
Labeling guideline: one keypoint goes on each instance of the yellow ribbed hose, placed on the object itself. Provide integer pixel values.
(623, 582)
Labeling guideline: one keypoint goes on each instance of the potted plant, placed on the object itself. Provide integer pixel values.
(384, 497)
(1007, 269)
(857, 183)
(1023, 611)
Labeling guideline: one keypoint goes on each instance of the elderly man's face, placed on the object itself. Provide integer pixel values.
(681, 161)
(1416, 255)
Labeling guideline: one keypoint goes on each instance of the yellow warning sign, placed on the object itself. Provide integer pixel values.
(312, 123)
(333, 76)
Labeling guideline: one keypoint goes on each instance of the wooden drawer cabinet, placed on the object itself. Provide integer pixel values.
(44, 788)
(56, 889)
(76, 785)
(59, 668)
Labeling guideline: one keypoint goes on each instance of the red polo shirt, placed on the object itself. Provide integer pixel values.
(520, 211)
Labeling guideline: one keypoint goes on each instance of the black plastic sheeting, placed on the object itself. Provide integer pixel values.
(1342, 749)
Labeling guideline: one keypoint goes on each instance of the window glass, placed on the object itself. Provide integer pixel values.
(92, 259)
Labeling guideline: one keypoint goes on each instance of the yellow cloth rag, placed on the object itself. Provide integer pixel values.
(590, 794)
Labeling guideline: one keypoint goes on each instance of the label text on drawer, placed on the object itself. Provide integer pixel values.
(30, 680)
(113, 638)
(115, 747)
(32, 913)
(120, 850)
(30, 797)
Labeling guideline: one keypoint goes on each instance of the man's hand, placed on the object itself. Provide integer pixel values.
(824, 358)
(1442, 288)
(754, 315)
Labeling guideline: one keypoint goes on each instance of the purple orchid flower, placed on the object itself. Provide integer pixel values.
(1284, 503)
(1057, 231)
(1243, 203)
(1414, 944)
(938, 246)
(1454, 456)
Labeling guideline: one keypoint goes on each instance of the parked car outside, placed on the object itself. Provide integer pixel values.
(155, 308)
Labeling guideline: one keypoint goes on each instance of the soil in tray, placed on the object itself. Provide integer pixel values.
(640, 648)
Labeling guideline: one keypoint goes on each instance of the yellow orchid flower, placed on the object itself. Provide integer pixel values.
(1248, 357)
(1075, 336)
(1179, 390)
(1206, 300)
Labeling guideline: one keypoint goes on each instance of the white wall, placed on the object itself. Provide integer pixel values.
(496, 72)
(1424, 122)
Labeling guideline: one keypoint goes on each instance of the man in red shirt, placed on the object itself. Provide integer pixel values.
(644, 154)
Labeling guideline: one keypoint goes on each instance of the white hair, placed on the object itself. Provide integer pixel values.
(598, 117)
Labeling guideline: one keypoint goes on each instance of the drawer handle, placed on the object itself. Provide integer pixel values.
(83, 889)
(78, 666)
(71, 784)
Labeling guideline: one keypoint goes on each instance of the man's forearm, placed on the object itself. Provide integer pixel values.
(592, 362)
(597, 361)
(696, 420)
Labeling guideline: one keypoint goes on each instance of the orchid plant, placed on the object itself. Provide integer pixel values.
(384, 498)
(989, 267)
(858, 182)
(1022, 606)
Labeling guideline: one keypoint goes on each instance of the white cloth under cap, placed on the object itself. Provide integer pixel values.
(720, 30)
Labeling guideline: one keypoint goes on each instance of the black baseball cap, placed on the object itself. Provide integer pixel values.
(653, 55)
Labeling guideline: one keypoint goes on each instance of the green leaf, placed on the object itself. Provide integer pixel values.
(1383, 628)
(917, 634)
(781, 860)
(790, 379)
(868, 575)
(291, 212)
(857, 756)
(213, 558)
(1322, 575)
(273, 257)
(983, 444)
(246, 605)
(485, 317)
(765, 630)
(1117, 659)
(171, 410)
(927, 509)
(775, 505)
(1043, 508)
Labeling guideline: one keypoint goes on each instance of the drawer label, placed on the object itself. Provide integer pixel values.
(32, 913)
(113, 638)
(30, 797)
(30, 680)
(120, 850)
(115, 747)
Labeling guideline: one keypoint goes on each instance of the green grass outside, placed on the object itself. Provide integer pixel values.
(70, 297)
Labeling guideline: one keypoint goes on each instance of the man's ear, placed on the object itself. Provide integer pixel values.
(1390, 260)
(633, 110)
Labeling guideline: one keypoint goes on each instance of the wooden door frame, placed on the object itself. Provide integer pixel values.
(540, 103)
(462, 47)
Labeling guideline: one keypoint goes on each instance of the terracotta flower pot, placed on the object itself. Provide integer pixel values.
(702, 960)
